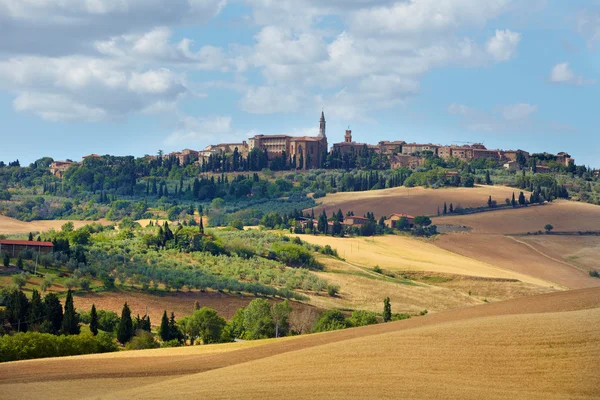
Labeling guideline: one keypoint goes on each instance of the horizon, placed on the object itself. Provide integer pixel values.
(135, 77)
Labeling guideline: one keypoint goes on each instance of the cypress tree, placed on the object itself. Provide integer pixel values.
(387, 310)
(451, 209)
(174, 331)
(70, 322)
(20, 262)
(6, 260)
(201, 225)
(445, 209)
(164, 331)
(94, 320)
(125, 327)
(513, 202)
(54, 313)
(30, 237)
(36, 310)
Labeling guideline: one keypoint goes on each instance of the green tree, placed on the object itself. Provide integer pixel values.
(451, 209)
(522, 199)
(548, 228)
(164, 331)
(6, 260)
(445, 209)
(36, 311)
(488, 180)
(125, 326)
(174, 331)
(94, 320)
(281, 315)
(20, 280)
(422, 221)
(330, 320)
(362, 318)
(206, 325)
(513, 202)
(387, 310)
(70, 322)
(54, 314)
(30, 237)
(20, 264)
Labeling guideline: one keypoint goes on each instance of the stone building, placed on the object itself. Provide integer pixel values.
(307, 150)
(412, 148)
(348, 145)
(58, 168)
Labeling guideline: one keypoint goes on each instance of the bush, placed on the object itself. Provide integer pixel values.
(29, 345)
(143, 340)
(295, 255)
(330, 320)
(332, 290)
(319, 194)
(594, 274)
(171, 343)
(362, 318)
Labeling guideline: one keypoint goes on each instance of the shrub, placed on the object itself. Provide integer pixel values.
(295, 255)
(29, 345)
(332, 290)
(330, 320)
(143, 340)
(362, 318)
(594, 274)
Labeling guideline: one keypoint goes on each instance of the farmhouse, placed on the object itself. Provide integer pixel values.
(15, 247)
(355, 221)
(58, 168)
(392, 221)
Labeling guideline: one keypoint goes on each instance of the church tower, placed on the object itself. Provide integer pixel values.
(322, 125)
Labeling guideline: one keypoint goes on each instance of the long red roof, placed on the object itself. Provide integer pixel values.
(26, 243)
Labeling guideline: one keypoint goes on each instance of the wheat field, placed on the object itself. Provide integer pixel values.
(545, 346)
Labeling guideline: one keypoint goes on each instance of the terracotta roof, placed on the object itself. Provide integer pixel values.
(26, 243)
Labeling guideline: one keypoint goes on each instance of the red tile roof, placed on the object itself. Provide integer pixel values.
(26, 243)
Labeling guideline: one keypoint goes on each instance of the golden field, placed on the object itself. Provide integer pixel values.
(542, 347)
(12, 226)
(413, 201)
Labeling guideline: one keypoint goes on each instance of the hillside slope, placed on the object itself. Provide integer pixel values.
(532, 347)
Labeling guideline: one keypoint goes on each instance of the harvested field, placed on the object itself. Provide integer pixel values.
(511, 254)
(565, 216)
(580, 251)
(181, 303)
(400, 253)
(533, 347)
(13, 226)
(414, 201)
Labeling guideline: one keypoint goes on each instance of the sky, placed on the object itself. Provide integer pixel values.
(131, 77)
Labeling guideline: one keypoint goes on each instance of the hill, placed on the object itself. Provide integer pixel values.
(413, 201)
(10, 225)
(533, 347)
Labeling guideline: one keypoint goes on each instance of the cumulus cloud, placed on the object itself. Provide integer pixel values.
(194, 130)
(503, 45)
(562, 73)
(588, 25)
(93, 89)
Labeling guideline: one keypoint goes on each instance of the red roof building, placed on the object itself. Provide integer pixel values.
(15, 247)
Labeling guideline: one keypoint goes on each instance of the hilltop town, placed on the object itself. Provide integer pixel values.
(310, 152)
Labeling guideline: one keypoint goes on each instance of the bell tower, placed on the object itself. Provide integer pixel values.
(348, 137)
(322, 125)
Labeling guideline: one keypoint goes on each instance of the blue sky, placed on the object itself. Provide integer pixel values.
(135, 76)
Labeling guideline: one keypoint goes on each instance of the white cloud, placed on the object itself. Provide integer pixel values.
(273, 99)
(54, 107)
(199, 129)
(518, 111)
(503, 45)
(424, 17)
(93, 89)
(562, 73)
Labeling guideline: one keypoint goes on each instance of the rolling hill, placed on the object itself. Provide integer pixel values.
(533, 347)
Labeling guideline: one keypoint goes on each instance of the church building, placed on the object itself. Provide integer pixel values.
(307, 151)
